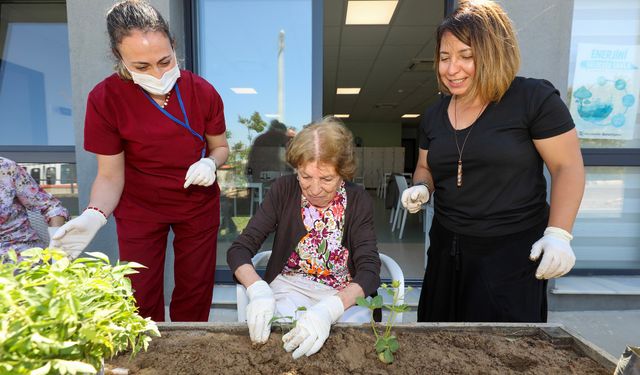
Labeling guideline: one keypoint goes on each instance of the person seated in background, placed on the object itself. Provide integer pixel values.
(19, 192)
(324, 253)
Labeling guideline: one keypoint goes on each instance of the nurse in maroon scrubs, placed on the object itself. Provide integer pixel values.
(158, 133)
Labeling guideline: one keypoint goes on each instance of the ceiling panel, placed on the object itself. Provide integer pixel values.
(358, 35)
(376, 58)
(331, 35)
(419, 12)
(409, 34)
(334, 12)
(359, 52)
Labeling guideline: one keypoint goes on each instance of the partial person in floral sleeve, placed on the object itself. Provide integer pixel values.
(19, 192)
(324, 252)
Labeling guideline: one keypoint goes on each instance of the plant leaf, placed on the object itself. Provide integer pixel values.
(362, 302)
(376, 302)
(393, 344)
(99, 255)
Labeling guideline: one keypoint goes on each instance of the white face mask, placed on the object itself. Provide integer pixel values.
(154, 85)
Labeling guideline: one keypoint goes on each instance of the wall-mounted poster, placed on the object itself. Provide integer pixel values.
(604, 97)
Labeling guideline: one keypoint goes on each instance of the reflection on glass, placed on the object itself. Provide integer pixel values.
(607, 230)
(58, 179)
(35, 80)
(257, 54)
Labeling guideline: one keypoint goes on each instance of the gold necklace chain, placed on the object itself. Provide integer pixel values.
(455, 137)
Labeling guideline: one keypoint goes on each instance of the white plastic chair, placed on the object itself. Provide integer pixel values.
(391, 265)
(402, 186)
(382, 192)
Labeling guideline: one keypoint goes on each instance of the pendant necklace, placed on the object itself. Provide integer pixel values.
(455, 137)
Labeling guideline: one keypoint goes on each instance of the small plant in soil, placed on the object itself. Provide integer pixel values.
(288, 320)
(386, 343)
(59, 316)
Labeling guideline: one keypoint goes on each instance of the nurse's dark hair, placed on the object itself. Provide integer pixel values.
(484, 26)
(126, 16)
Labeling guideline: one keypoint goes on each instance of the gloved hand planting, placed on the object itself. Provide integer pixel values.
(202, 172)
(414, 197)
(74, 236)
(557, 256)
(312, 329)
(260, 310)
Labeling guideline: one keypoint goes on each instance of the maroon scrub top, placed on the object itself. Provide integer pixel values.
(158, 151)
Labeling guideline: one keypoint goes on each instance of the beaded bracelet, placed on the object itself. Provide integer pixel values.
(97, 209)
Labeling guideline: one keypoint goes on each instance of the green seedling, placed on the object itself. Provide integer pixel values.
(288, 320)
(386, 343)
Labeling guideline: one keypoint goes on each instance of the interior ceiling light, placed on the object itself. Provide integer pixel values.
(244, 90)
(348, 90)
(342, 115)
(370, 12)
(410, 115)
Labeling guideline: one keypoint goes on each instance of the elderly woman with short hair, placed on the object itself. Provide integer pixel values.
(324, 251)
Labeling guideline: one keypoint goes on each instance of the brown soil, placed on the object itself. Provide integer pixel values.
(350, 351)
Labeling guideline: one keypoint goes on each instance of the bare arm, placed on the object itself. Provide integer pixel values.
(108, 185)
(422, 172)
(219, 148)
(247, 275)
(56, 221)
(562, 156)
(349, 294)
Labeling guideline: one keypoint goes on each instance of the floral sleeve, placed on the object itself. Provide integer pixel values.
(34, 198)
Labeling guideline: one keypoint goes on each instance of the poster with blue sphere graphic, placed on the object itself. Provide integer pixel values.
(604, 94)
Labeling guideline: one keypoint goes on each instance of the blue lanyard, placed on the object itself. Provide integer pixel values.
(185, 123)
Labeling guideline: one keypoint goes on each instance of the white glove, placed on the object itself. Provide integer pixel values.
(414, 197)
(557, 256)
(74, 236)
(202, 172)
(312, 329)
(260, 310)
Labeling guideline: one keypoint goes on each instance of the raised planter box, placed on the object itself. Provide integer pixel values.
(425, 348)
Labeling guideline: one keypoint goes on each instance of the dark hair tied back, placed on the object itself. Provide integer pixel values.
(129, 15)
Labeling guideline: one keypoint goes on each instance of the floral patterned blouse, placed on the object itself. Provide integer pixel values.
(320, 255)
(19, 192)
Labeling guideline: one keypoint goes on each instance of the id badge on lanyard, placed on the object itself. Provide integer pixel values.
(185, 123)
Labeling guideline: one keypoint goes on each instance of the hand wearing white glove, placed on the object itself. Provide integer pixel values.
(202, 172)
(74, 236)
(557, 256)
(414, 197)
(260, 310)
(312, 329)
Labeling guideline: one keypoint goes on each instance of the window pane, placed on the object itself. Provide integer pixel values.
(59, 179)
(35, 81)
(257, 54)
(603, 72)
(607, 230)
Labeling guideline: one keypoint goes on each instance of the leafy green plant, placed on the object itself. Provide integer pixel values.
(287, 320)
(64, 317)
(386, 343)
